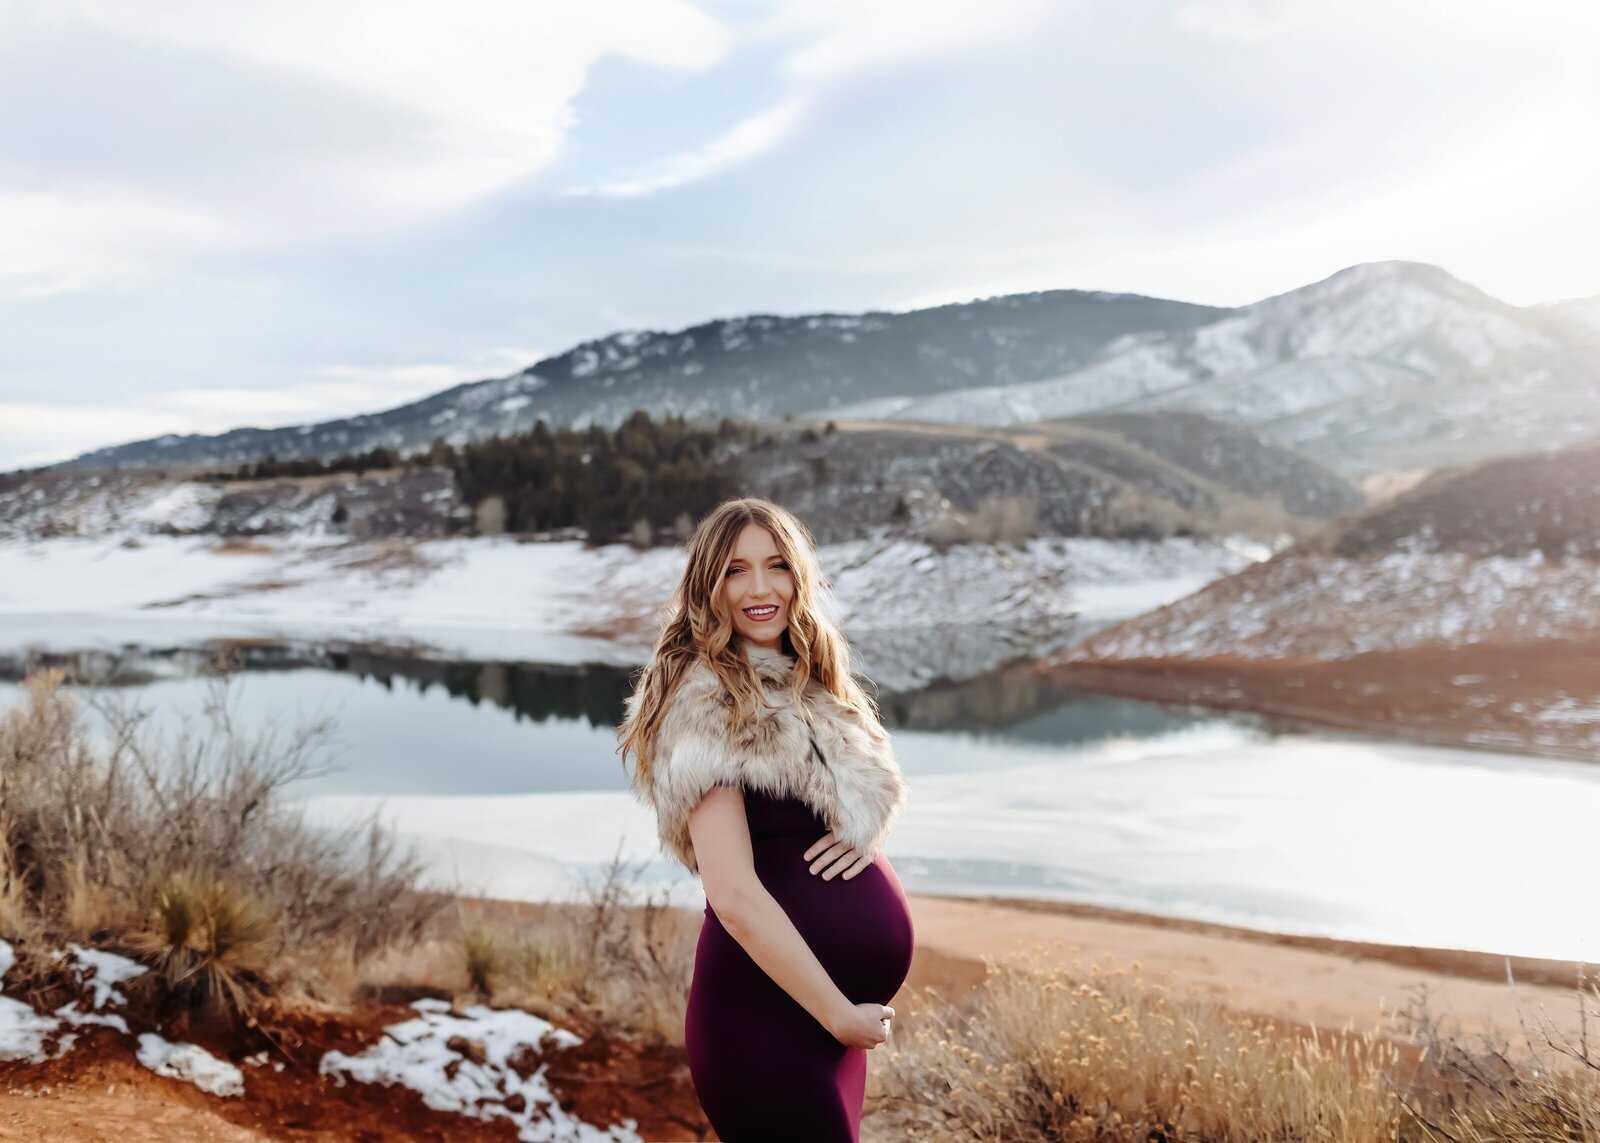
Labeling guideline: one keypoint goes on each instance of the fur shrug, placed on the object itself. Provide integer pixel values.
(852, 781)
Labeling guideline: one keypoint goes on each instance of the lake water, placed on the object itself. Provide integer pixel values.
(506, 777)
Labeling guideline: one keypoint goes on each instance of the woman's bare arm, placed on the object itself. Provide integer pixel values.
(752, 916)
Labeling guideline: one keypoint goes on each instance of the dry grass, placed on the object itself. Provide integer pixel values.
(1052, 1054)
(1056, 1054)
(183, 850)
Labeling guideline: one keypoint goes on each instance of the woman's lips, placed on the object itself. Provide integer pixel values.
(761, 614)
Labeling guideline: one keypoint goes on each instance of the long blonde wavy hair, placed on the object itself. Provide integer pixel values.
(699, 627)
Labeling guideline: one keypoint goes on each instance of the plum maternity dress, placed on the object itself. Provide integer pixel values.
(765, 1070)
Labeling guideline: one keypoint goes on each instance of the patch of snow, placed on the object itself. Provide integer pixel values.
(190, 1063)
(23, 1032)
(68, 1013)
(184, 507)
(417, 1054)
(1567, 712)
(109, 969)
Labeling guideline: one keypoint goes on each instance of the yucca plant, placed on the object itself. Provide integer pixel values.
(208, 942)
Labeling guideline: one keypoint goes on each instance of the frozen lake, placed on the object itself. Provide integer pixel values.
(505, 775)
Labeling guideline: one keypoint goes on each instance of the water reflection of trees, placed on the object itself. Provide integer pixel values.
(1017, 700)
(537, 691)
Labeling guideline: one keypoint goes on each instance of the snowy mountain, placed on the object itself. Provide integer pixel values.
(748, 367)
(1381, 366)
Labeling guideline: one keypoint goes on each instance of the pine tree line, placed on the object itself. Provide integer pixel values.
(641, 476)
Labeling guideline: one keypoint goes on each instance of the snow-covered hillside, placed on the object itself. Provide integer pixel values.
(1303, 605)
(1466, 608)
(1379, 366)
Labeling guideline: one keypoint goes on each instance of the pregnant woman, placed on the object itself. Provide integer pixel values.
(773, 779)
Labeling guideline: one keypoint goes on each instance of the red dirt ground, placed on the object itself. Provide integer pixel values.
(1401, 694)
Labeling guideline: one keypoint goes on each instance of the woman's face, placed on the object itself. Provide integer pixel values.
(758, 579)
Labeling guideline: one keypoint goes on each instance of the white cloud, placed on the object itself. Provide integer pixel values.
(57, 431)
(400, 112)
(88, 234)
(747, 139)
(848, 37)
(1237, 21)
(419, 380)
(35, 433)
(830, 42)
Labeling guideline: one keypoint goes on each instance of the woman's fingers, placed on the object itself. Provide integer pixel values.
(831, 856)
(836, 858)
(861, 862)
(820, 844)
(843, 862)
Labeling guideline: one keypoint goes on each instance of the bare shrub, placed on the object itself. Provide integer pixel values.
(144, 842)
(639, 954)
(995, 520)
(1263, 517)
(617, 958)
(1136, 514)
(1486, 1090)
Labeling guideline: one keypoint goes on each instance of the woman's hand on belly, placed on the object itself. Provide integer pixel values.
(835, 857)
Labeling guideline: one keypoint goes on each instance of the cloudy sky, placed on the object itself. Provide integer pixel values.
(214, 215)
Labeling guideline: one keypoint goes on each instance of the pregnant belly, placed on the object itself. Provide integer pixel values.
(860, 929)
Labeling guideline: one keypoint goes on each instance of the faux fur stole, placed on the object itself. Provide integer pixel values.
(853, 783)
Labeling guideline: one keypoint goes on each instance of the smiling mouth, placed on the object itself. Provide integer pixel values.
(761, 613)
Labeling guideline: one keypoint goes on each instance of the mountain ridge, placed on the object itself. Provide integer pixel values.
(1378, 367)
(756, 365)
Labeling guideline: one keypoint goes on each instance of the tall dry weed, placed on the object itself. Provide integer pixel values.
(639, 952)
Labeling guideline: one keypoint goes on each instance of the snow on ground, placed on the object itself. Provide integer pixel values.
(190, 1063)
(26, 1034)
(483, 1064)
(977, 606)
(425, 1054)
(23, 1032)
